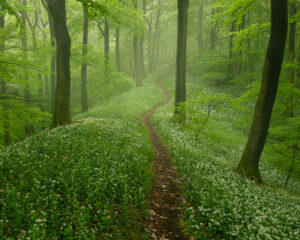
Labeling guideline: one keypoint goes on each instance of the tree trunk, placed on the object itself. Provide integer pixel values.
(106, 50)
(53, 58)
(84, 101)
(28, 127)
(291, 57)
(137, 70)
(61, 114)
(200, 26)
(230, 64)
(136, 55)
(155, 40)
(3, 90)
(118, 63)
(180, 95)
(213, 31)
(141, 47)
(249, 163)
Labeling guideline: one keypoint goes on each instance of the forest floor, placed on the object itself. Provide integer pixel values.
(166, 196)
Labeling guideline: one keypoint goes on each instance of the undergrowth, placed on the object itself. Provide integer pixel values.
(221, 204)
(88, 180)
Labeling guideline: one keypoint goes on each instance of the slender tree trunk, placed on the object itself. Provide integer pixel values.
(136, 55)
(61, 114)
(106, 43)
(141, 46)
(249, 163)
(291, 57)
(155, 40)
(200, 26)
(46, 79)
(213, 31)
(230, 64)
(150, 56)
(180, 94)
(84, 100)
(118, 63)
(28, 127)
(137, 69)
(3, 90)
(53, 58)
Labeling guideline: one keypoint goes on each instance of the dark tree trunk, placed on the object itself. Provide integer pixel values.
(3, 91)
(291, 57)
(249, 163)
(106, 50)
(200, 26)
(180, 95)
(118, 63)
(61, 113)
(84, 101)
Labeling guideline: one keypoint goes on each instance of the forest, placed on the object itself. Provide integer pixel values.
(150, 119)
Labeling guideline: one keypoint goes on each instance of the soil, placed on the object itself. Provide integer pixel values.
(166, 196)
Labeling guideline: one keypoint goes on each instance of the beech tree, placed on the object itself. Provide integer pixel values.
(61, 113)
(84, 101)
(180, 95)
(249, 163)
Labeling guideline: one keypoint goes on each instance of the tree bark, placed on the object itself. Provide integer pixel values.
(213, 31)
(106, 50)
(291, 57)
(3, 90)
(230, 64)
(53, 58)
(118, 63)
(180, 94)
(141, 46)
(28, 126)
(200, 26)
(61, 114)
(136, 55)
(84, 100)
(249, 163)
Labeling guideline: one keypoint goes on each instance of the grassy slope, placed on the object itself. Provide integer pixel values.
(87, 180)
(223, 203)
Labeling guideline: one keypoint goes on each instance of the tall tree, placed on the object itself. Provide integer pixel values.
(84, 101)
(28, 126)
(118, 63)
(61, 113)
(53, 58)
(141, 46)
(180, 96)
(200, 25)
(106, 50)
(249, 163)
(3, 88)
(291, 55)
(136, 55)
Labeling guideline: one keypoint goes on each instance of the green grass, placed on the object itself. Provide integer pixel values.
(88, 180)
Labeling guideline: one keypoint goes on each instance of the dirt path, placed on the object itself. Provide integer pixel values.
(166, 195)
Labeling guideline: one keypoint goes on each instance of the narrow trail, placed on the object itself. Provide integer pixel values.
(166, 194)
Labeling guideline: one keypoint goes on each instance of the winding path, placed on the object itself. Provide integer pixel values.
(166, 194)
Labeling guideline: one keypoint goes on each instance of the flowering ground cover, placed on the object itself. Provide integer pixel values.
(221, 204)
(88, 180)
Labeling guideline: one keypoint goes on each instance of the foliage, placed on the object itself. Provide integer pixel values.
(220, 203)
